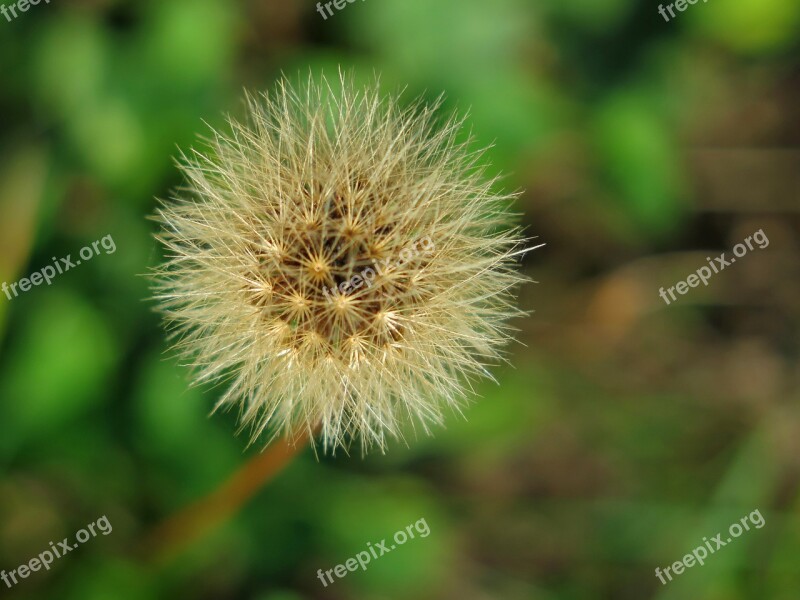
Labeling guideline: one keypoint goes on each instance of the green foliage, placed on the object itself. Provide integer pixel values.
(587, 467)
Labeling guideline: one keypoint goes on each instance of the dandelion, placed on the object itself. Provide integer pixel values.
(296, 272)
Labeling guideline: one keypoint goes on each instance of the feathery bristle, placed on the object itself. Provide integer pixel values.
(344, 262)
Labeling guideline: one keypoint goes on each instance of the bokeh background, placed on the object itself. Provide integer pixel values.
(623, 431)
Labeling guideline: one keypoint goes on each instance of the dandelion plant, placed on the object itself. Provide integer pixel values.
(295, 272)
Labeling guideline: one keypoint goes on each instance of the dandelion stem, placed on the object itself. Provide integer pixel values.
(172, 536)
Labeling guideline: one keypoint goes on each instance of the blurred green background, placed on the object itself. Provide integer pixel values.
(624, 431)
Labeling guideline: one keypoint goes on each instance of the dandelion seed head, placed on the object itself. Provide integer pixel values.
(343, 263)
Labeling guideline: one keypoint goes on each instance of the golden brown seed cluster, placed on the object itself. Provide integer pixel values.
(336, 280)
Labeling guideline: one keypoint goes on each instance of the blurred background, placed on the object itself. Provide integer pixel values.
(624, 430)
